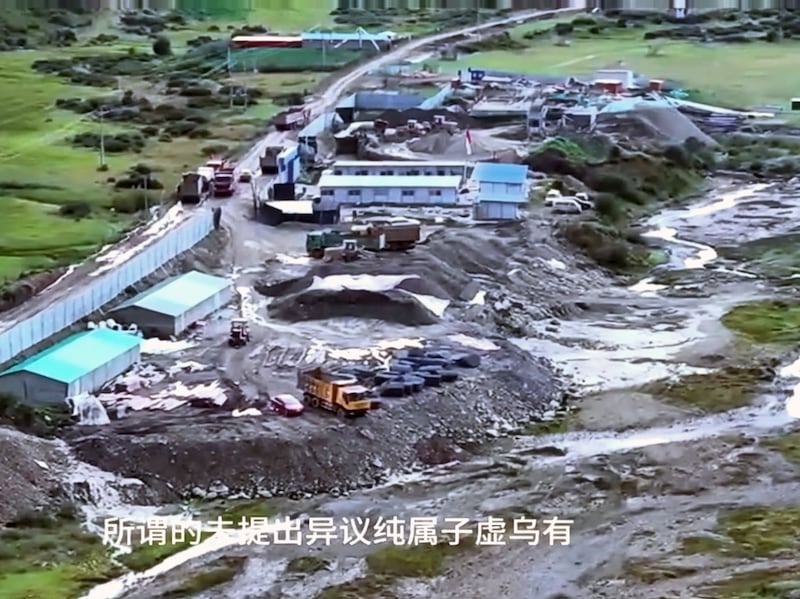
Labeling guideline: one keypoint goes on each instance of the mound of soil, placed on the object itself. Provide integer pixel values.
(178, 457)
(390, 306)
(28, 467)
(660, 123)
(396, 118)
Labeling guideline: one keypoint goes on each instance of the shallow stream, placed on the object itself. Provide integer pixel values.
(669, 325)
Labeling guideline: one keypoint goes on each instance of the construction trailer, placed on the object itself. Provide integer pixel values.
(82, 363)
(338, 190)
(173, 306)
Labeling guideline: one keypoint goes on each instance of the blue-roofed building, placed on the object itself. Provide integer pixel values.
(501, 190)
(173, 306)
(82, 363)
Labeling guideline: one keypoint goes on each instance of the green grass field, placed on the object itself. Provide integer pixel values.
(733, 74)
(40, 170)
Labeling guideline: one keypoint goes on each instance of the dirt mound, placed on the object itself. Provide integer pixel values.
(658, 122)
(317, 452)
(390, 306)
(27, 473)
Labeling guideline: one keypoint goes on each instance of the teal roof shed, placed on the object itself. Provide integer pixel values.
(82, 363)
(172, 306)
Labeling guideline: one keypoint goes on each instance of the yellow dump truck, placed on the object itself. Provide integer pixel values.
(339, 394)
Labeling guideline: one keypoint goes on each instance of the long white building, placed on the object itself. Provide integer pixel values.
(405, 168)
(338, 190)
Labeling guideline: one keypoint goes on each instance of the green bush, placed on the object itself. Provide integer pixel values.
(609, 206)
(678, 155)
(162, 46)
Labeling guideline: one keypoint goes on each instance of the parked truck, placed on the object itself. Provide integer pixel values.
(318, 241)
(269, 160)
(336, 393)
(390, 235)
(374, 234)
(224, 183)
(192, 188)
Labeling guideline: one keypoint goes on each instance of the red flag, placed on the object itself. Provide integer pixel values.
(468, 142)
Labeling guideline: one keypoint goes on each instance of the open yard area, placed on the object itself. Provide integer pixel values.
(743, 74)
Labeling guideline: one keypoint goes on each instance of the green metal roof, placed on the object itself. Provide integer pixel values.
(78, 355)
(178, 294)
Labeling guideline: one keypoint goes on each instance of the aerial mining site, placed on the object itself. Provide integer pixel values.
(337, 304)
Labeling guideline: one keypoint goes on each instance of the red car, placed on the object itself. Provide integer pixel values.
(286, 405)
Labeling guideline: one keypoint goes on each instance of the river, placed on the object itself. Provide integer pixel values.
(665, 329)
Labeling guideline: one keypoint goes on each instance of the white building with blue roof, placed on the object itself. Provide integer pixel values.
(82, 363)
(173, 306)
(502, 189)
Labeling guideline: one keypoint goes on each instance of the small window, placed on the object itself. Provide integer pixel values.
(436, 192)
(354, 193)
(441, 173)
(338, 171)
(408, 193)
(327, 192)
(362, 173)
(387, 173)
(414, 173)
(429, 173)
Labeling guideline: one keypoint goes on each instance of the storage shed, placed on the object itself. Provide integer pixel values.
(171, 307)
(501, 190)
(82, 363)
(336, 190)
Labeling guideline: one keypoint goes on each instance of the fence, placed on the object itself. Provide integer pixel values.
(99, 291)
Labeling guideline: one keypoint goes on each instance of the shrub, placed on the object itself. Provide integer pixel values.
(609, 206)
(162, 46)
(595, 30)
(617, 185)
(76, 210)
(678, 155)
(564, 28)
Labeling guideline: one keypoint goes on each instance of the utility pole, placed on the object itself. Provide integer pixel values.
(230, 78)
(324, 56)
(102, 141)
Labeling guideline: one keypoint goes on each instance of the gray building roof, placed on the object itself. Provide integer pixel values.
(387, 181)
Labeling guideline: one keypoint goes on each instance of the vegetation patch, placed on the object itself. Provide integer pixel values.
(371, 586)
(758, 584)
(217, 573)
(776, 258)
(52, 558)
(624, 182)
(750, 533)
(726, 389)
(307, 564)
(144, 556)
(420, 561)
(787, 445)
(771, 321)
(650, 572)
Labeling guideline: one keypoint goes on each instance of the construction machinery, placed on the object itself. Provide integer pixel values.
(341, 394)
(347, 252)
(318, 241)
(240, 333)
(269, 160)
(372, 234)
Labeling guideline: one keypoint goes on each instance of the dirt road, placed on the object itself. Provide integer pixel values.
(79, 276)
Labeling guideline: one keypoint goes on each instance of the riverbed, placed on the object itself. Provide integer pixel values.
(636, 472)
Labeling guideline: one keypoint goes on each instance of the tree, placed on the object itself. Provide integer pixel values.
(162, 46)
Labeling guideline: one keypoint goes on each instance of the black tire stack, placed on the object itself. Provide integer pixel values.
(414, 369)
